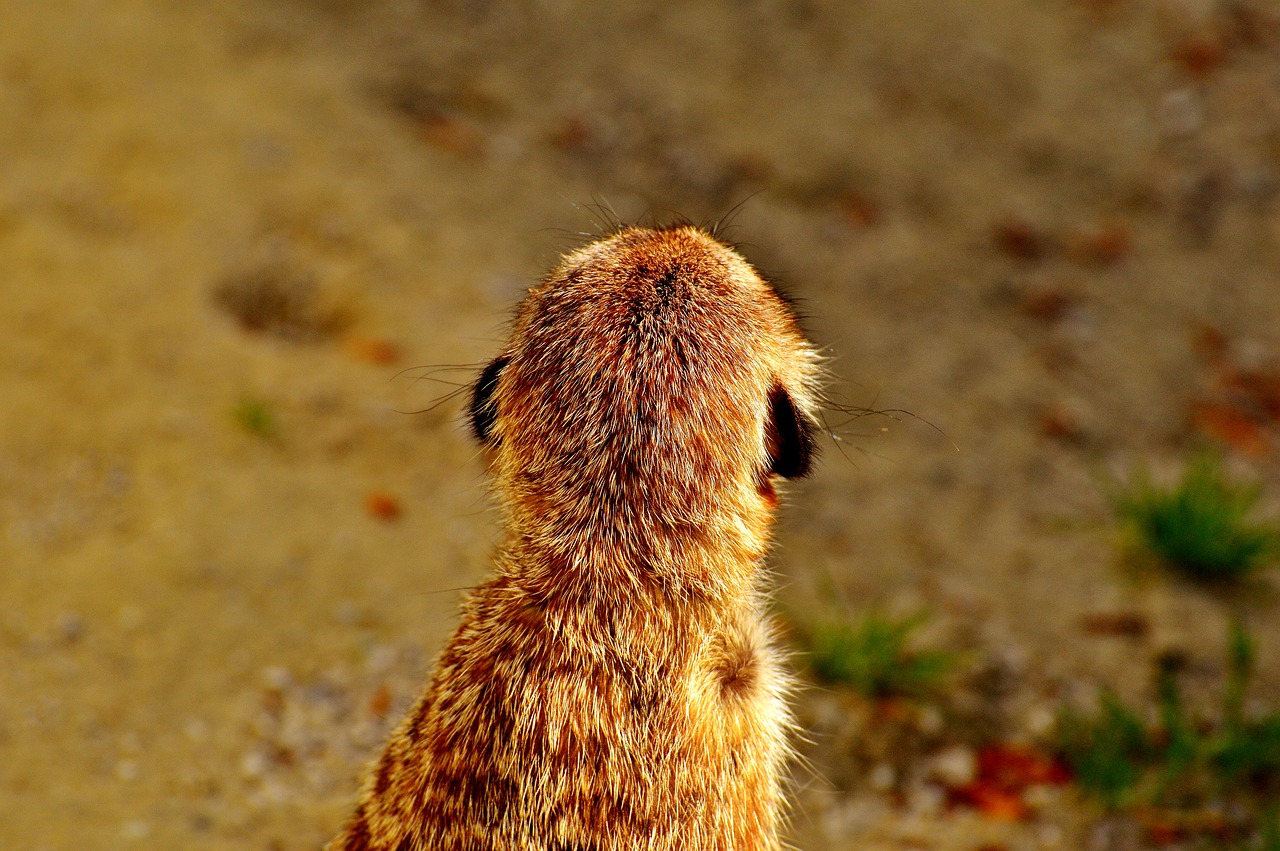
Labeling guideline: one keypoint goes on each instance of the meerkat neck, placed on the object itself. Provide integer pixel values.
(651, 569)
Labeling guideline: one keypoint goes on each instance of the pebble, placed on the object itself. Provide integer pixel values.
(346, 613)
(1181, 113)
(954, 766)
(882, 777)
(135, 830)
(195, 729)
(381, 659)
(825, 712)
(1050, 836)
(70, 627)
(930, 720)
(1260, 184)
(926, 800)
(1039, 720)
(1039, 796)
(277, 677)
(254, 764)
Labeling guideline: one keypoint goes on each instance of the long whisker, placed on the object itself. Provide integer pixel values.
(719, 226)
(433, 369)
(448, 397)
(443, 591)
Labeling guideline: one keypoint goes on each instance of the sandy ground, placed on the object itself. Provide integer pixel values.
(1009, 218)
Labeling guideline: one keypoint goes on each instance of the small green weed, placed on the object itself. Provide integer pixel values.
(874, 656)
(1199, 526)
(1248, 750)
(256, 416)
(1179, 762)
(1109, 752)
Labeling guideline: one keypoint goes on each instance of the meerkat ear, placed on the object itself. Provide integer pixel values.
(788, 436)
(483, 410)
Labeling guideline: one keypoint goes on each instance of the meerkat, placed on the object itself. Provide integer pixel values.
(615, 685)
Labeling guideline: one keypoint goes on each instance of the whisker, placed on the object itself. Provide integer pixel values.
(451, 395)
(434, 368)
(443, 591)
(831, 402)
(720, 225)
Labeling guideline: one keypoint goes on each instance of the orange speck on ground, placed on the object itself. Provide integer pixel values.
(382, 506)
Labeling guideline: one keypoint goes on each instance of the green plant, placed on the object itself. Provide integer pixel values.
(874, 656)
(1248, 750)
(256, 416)
(1107, 753)
(1176, 762)
(1200, 525)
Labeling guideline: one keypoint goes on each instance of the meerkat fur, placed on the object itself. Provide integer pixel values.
(615, 685)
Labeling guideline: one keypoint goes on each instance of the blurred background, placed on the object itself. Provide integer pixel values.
(237, 503)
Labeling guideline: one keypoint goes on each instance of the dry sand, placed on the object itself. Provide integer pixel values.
(206, 632)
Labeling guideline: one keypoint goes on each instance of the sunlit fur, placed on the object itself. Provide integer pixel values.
(614, 685)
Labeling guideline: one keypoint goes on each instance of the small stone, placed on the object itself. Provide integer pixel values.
(1039, 795)
(277, 677)
(1049, 836)
(1012, 658)
(135, 830)
(70, 627)
(926, 800)
(882, 777)
(196, 729)
(929, 720)
(1260, 185)
(347, 613)
(381, 659)
(254, 764)
(1039, 720)
(955, 766)
(1181, 113)
(826, 713)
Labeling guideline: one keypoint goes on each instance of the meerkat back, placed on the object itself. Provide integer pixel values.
(614, 684)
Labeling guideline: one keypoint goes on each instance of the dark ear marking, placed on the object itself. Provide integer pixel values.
(788, 436)
(483, 410)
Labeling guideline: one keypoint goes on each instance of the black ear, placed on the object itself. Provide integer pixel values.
(483, 410)
(788, 436)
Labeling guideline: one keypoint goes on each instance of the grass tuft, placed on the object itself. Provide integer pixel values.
(1199, 526)
(256, 416)
(1178, 762)
(1107, 752)
(874, 656)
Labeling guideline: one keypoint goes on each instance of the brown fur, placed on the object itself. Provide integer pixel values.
(614, 685)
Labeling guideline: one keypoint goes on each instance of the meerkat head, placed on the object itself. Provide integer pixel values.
(653, 388)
